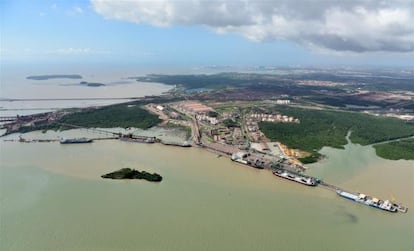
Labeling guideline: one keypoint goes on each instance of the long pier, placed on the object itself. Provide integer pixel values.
(93, 130)
(329, 186)
(196, 132)
(8, 118)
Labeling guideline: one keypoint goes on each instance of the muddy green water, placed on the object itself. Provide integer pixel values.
(51, 198)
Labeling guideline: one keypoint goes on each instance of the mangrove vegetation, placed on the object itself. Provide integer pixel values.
(395, 150)
(122, 115)
(319, 128)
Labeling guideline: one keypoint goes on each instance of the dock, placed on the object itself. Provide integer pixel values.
(8, 118)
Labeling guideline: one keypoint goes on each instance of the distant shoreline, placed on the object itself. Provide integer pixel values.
(54, 76)
(58, 99)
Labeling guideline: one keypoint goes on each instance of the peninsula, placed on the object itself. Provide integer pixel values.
(255, 120)
(301, 112)
(55, 76)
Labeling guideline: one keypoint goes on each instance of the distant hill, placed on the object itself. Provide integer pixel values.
(46, 77)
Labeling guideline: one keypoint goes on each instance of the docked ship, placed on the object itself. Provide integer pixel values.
(370, 201)
(76, 141)
(146, 140)
(184, 144)
(305, 180)
(242, 157)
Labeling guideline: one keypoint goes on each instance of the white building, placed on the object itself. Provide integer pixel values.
(283, 101)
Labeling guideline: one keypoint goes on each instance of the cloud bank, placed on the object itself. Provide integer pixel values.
(335, 25)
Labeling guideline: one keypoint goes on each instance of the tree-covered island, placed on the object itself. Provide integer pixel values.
(128, 173)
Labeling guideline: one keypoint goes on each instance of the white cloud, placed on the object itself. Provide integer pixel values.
(72, 51)
(77, 51)
(336, 25)
(78, 10)
(74, 11)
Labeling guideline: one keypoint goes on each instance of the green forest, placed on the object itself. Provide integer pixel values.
(318, 128)
(402, 149)
(113, 116)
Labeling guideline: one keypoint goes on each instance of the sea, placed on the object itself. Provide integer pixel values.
(53, 198)
(22, 96)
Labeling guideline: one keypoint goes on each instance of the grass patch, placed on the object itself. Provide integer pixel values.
(186, 129)
(314, 157)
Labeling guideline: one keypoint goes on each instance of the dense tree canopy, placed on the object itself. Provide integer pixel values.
(318, 128)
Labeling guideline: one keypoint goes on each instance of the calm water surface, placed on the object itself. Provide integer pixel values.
(14, 85)
(53, 199)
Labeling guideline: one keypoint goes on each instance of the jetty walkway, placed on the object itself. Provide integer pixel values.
(8, 118)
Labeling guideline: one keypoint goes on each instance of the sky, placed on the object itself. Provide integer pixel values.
(205, 33)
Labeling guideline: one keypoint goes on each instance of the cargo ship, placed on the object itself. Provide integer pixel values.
(76, 141)
(305, 180)
(370, 201)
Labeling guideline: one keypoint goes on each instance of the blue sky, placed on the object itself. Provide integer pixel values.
(44, 32)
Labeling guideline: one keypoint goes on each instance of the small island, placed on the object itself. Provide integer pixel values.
(47, 77)
(128, 173)
(89, 84)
